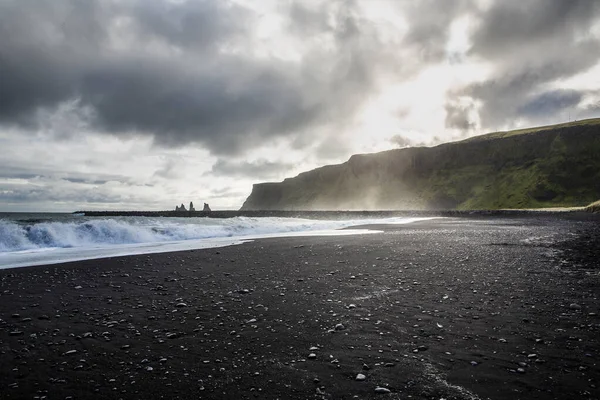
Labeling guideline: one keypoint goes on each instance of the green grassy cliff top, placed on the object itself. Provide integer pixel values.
(505, 134)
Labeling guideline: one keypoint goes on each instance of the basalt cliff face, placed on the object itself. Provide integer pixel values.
(549, 166)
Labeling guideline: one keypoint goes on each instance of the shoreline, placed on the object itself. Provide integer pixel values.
(447, 308)
(342, 214)
(22, 259)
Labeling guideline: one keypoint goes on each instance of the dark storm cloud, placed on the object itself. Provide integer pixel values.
(172, 80)
(257, 170)
(531, 44)
(185, 72)
(224, 101)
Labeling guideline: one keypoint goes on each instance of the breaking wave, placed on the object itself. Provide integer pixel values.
(19, 236)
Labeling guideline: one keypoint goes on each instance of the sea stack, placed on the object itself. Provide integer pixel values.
(206, 208)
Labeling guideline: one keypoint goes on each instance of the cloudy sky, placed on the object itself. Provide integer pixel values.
(144, 104)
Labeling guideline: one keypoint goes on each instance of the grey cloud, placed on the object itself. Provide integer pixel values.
(505, 97)
(430, 22)
(176, 79)
(8, 171)
(197, 25)
(332, 149)
(257, 170)
(401, 141)
(32, 193)
(512, 25)
(187, 91)
(308, 21)
(459, 116)
(86, 181)
(550, 103)
(168, 171)
(531, 45)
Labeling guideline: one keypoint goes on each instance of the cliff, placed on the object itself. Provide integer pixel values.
(547, 166)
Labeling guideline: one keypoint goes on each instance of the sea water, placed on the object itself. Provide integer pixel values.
(34, 238)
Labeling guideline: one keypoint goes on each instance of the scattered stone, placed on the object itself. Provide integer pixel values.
(382, 390)
(340, 327)
(312, 356)
(574, 306)
(67, 353)
(181, 305)
(360, 377)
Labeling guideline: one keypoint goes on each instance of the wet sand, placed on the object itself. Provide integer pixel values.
(454, 308)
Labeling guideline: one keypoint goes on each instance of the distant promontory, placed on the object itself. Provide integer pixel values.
(549, 166)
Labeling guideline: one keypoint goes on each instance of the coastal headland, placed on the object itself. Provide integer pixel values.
(546, 166)
(476, 307)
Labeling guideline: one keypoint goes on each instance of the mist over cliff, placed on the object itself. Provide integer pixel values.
(547, 166)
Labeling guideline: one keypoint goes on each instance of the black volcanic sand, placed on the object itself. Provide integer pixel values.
(499, 308)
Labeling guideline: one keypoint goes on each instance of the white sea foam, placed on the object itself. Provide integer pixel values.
(45, 242)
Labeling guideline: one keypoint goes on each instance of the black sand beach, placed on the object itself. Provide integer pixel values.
(453, 308)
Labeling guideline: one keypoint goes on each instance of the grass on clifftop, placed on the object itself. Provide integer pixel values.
(505, 134)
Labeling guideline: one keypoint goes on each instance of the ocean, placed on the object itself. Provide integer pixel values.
(28, 239)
